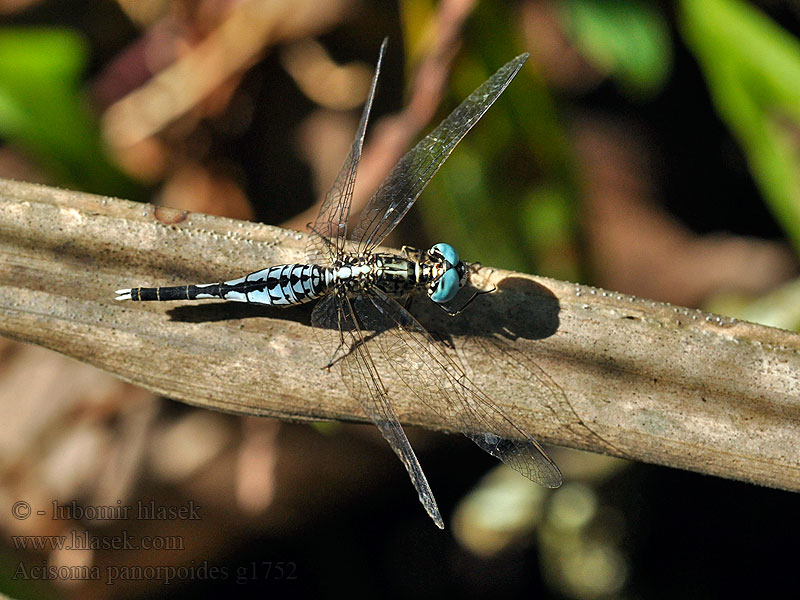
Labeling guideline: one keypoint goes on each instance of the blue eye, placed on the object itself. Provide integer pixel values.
(448, 252)
(449, 283)
(446, 287)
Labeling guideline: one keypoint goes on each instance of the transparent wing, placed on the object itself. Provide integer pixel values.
(425, 368)
(536, 383)
(412, 173)
(339, 328)
(329, 231)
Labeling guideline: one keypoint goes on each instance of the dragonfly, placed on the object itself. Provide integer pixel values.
(359, 315)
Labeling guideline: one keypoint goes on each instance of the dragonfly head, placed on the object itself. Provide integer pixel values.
(452, 273)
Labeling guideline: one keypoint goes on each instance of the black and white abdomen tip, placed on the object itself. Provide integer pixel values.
(281, 285)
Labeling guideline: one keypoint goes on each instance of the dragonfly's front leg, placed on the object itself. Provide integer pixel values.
(453, 313)
(411, 253)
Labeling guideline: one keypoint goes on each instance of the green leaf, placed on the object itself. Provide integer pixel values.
(43, 111)
(627, 39)
(752, 68)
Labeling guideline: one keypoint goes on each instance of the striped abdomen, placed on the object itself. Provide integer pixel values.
(281, 285)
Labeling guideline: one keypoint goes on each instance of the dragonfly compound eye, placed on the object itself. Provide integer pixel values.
(447, 252)
(446, 286)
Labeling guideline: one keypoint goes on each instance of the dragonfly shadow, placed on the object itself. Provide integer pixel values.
(232, 311)
(520, 308)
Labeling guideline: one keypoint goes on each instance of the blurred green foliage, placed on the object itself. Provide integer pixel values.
(485, 194)
(779, 308)
(627, 39)
(752, 67)
(508, 197)
(44, 112)
(515, 185)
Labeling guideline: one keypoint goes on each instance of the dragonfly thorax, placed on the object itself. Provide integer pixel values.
(393, 274)
(438, 271)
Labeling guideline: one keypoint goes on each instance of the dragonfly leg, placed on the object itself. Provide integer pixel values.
(407, 303)
(453, 313)
(411, 253)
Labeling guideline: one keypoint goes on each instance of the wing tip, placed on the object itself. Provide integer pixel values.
(555, 482)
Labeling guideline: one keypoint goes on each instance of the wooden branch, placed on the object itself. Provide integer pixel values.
(575, 365)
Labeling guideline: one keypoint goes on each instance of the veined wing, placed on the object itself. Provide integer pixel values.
(425, 368)
(329, 231)
(411, 174)
(338, 327)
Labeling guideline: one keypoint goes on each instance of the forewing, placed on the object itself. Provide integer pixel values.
(423, 365)
(329, 231)
(340, 330)
(411, 174)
